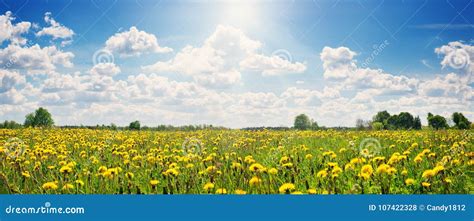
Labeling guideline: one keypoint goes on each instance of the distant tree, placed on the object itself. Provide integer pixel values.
(113, 126)
(40, 118)
(417, 123)
(405, 120)
(302, 122)
(377, 126)
(10, 125)
(382, 117)
(437, 122)
(314, 125)
(360, 124)
(135, 125)
(460, 121)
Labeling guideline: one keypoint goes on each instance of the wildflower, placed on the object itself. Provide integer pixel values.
(208, 186)
(50, 186)
(426, 184)
(102, 169)
(447, 180)
(26, 174)
(322, 173)
(221, 191)
(273, 171)
(383, 168)
(284, 160)
(438, 169)
(409, 181)
(153, 183)
(297, 193)
(172, 171)
(240, 192)
(367, 169)
(256, 167)
(190, 166)
(418, 159)
(129, 175)
(286, 188)
(404, 172)
(308, 156)
(428, 174)
(336, 170)
(255, 181)
(287, 165)
(236, 165)
(312, 191)
(68, 186)
(65, 169)
(79, 182)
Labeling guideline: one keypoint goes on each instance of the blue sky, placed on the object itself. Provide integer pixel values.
(234, 63)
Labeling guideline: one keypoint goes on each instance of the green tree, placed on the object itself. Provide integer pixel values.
(302, 122)
(40, 118)
(382, 117)
(377, 126)
(437, 122)
(135, 125)
(417, 123)
(405, 121)
(460, 121)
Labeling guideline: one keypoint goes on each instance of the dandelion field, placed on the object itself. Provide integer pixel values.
(85, 161)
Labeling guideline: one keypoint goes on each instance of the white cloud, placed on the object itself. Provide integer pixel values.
(337, 62)
(222, 57)
(458, 56)
(12, 32)
(34, 59)
(105, 69)
(134, 43)
(270, 66)
(56, 30)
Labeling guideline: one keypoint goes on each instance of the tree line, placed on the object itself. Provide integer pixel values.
(383, 120)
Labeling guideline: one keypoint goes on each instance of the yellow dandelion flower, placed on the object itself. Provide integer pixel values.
(68, 186)
(322, 173)
(428, 174)
(367, 169)
(221, 191)
(26, 174)
(426, 184)
(273, 171)
(312, 191)
(50, 185)
(153, 183)
(208, 186)
(240, 192)
(409, 181)
(255, 181)
(286, 188)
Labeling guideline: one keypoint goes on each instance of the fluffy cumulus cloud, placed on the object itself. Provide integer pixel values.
(34, 59)
(222, 57)
(105, 69)
(12, 32)
(458, 56)
(134, 43)
(56, 30)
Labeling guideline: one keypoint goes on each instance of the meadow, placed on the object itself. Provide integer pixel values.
(86, 161)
